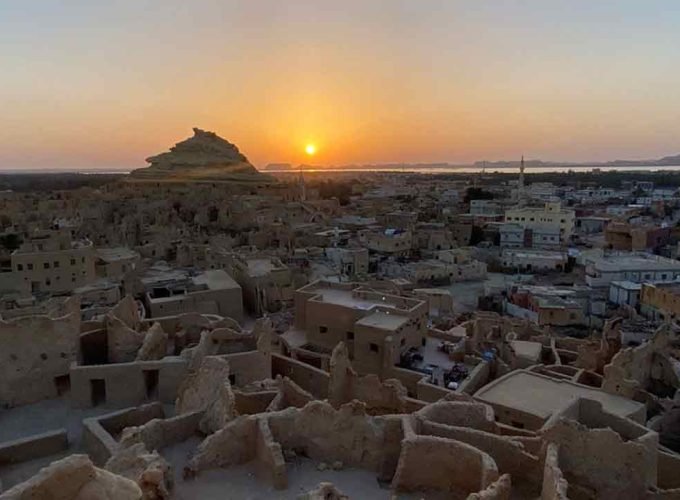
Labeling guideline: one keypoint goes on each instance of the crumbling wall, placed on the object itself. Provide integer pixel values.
(668, 465)
(632, 368)
(155, 344)
(429, 462)
(249, 403)
(208, 390)
(478, 377)
(74, 478)
(345, 385)
(149, 470)
(98, 432)
(499, 490)
(510, 456)
(313, 380)
(269, 456)
(122, 325)
(554, 485)
(460, 414)
(325, 491)
(599, 459)
(158, 433)
(321, 432)
(34, 351)
(234, 444)
(122, 341)
(289, 394)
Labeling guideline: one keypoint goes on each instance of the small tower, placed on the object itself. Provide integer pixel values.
(301, 186)
(520, 184)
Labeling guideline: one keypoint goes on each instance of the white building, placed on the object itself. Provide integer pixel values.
(625, 293)
(485, 208)
(533, 260)
(551, 214)
(511, 235)
(634, 267)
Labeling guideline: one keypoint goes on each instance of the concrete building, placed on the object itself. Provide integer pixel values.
(50, 261)
(115, 262)
(624, 293)
(533, 260)
(625, 237)
(376, 327)
(266, 282)
(351, 262)
(527, 400)
(387, 241)
(211, 292)
(511, 235)
(547, 305)
(660, 300)
(551, 214)
(485, 208)
(635, 267)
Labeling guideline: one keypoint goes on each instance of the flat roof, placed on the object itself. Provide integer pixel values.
(635, 262)
(527, 349)
(117, 253)
(347, 298)
(628, 285)
(262, 266)
(216, 279)
(383, 320)
(542, 396)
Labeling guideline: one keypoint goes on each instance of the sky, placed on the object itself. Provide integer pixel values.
(88, 84)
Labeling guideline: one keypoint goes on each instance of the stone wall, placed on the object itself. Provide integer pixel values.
(34, 352)
(127, 384)
(554, 486)
(313, 380)
(35, 446)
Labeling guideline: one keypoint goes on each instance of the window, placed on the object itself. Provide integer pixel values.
(20, 267)
(46, 265)
(30, 267)
(403, 342)
(82, 259)
(350, 335)
(55, 264)
(373, 347)
(73, 262)
(323, 329)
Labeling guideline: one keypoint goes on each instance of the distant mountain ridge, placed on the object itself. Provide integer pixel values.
(661, 162)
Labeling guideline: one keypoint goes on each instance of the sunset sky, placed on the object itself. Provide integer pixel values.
(90, 84)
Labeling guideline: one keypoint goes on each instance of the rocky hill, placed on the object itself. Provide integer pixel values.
(203, 157)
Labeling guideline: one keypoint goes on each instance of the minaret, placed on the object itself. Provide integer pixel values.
(303, 188)
(520, 183)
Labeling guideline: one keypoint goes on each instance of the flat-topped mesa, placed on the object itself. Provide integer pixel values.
(203, 157)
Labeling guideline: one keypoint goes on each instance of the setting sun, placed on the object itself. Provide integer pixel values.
(310, 149)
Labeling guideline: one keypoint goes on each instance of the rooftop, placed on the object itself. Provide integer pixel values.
(215, 279)
(542, 396)
(115, 254)
(384, 320)
(634, 262)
